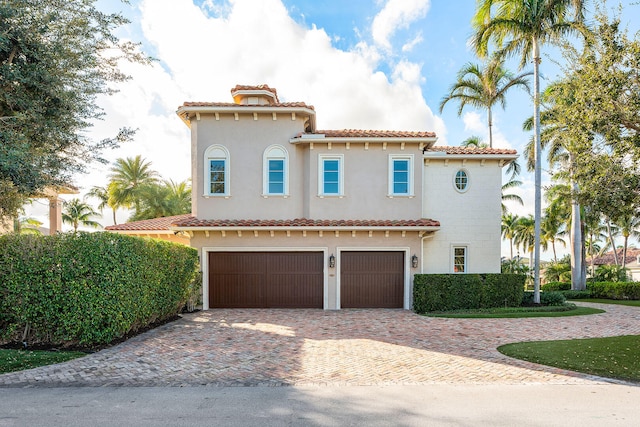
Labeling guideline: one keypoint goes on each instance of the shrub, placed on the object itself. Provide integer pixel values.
(546, 298)
(555, 286)
(615, 290)
(571, 294)
(443, 292)
(89, 288)
(610, 273)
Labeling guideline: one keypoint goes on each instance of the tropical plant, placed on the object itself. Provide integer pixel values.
(484, 86)
(628, 226)
(524, 234)
(611, 273)
(553, 224)
(509, 229)
(77, 212)
(25, 225)
(520, 27)
(128, 176)
(163, 199)
(557, 271)
(512, 183)
(513, 266)
(473, 141)
(106, 199)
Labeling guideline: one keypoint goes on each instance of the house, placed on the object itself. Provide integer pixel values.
(287, 215)
(632, 263)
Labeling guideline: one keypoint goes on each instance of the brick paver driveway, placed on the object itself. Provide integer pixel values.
(348, 347)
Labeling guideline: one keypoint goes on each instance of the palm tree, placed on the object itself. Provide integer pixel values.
(25, 225)
(473, 141)
(524, 235)
(106, 198)
(165, 199)
(553, 229)
(512, 183)
(128, 176)
(521, 27)
(509, 225)
(628, 226)
(484, 87)
(77, 212)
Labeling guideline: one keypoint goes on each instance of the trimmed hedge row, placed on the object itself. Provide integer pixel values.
(443, 292)
(614, 290)
(546, 298)
(89, 288)
(556, 286)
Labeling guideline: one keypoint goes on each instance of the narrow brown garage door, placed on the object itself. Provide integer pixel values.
(371, 279)
(266, 279)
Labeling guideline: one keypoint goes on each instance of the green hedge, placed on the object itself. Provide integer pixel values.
(556, 286)
(89, 288)
(443, 292)
(614, 290)
(576, 294)
(546, 298)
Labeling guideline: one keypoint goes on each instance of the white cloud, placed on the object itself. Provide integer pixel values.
(408, 47)
(476, 124)
(396, 14)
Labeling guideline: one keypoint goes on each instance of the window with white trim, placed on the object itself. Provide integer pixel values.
(461, 180)
(401, 175)
(216, 171)
(331, 175)
(276, 171)
(459, 259)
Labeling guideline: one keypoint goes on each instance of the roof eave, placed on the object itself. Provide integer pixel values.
(307, 228)
(427, 141)
(184, 111)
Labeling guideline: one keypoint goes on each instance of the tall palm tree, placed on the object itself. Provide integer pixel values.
(77, 212)
(484, 86)
(106, 198)
(525, 235)
(553, 229)
(520, 27)
(512, 183)
(128, 176)
(628, 226)
(509, 229)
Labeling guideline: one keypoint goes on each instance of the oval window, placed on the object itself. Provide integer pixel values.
(461, 181)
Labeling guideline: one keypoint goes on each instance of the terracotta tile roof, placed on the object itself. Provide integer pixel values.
(155, 224)
(608, 259)
(258, 87)
(303, 222)
(362, 133)
(469, 150)
(234, 105)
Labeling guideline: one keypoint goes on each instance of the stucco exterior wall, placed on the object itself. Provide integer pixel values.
(246, 140)
(366, 173)
(329, 243)
(470, 219)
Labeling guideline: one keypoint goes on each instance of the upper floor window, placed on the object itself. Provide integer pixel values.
(460, 259)
(216, 167)
(276, 171)
(461, 181)
(331, 175)
(401, 175)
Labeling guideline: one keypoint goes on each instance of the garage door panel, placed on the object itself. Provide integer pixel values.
(266, 279)
(372, 279)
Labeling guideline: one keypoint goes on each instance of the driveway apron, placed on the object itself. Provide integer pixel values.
(237, 347)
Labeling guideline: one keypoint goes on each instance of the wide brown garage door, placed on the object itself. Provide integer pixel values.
(371, 279)
(266, 279)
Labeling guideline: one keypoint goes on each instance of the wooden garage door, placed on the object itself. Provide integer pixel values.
(266, 279)
(371, 279)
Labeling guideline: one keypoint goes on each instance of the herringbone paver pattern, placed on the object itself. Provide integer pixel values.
(348, 347)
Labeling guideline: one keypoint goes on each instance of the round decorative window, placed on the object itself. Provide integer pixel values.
(461, 181)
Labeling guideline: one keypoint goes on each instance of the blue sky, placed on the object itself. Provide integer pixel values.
(371, 64)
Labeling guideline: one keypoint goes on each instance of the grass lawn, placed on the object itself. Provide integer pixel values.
(633, 303)
(614, 357)
(517, 312)
(18, 360)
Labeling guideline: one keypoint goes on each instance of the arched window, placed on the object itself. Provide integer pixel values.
(216, 171)
(275, 171)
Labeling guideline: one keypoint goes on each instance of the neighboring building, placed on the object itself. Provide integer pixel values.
(285, 215)
(632, 261)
